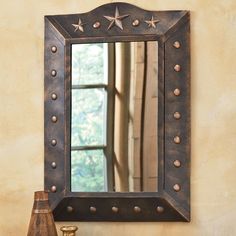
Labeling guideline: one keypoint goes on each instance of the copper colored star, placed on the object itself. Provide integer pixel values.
(152, 23)
(79, 26)
(116, 20)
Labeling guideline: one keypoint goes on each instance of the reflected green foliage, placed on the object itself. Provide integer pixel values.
(87, 171)
(88, 64)
(88, 112)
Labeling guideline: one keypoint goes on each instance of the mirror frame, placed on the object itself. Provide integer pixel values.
(172, 31)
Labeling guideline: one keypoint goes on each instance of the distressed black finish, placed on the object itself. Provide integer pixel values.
(60, 33)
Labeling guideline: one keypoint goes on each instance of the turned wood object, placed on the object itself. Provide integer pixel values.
(41, 222)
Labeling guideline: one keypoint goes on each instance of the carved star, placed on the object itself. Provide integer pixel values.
(116, 20)
(79, 26)
(152, 23)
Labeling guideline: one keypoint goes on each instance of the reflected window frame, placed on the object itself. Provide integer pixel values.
(109, 91)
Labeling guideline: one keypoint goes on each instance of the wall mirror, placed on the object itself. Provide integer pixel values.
(117, 114)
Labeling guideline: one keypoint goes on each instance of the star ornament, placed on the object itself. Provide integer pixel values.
(79, 26)
(152, 23)
(116, 20)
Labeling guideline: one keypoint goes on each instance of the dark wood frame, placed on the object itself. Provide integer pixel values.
(172, 201)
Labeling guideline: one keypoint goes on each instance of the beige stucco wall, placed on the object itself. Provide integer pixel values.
(213, 116)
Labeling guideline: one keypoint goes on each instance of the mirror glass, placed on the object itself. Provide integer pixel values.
(114, 117)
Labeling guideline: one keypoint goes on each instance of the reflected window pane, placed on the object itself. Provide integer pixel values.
(88, 117)
(88, 171)
(89, 63)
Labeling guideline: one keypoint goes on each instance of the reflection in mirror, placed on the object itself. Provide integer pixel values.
(114, 102)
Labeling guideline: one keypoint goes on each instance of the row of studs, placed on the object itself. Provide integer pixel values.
(114, 209)
(177, 116)
(54, 118)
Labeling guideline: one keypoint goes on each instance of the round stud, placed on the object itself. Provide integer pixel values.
(160, 209)
(69, 209)
(176, 44)
(115, 209)
(93, 209)
(136, 23)
(176, 92)
(137, 209)
(54, 119)
(96, 25)
(176, 187)
(53, 49)
(53, 73)
(177, 115)
(54, 96)
(177, 68)
(54, 142)
(54, 165)
(53, 188)
(177, 139)
(177, 163)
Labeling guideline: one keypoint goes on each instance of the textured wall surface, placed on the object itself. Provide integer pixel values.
(213, 36)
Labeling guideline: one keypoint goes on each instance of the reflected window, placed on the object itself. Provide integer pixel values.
(88, 117)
